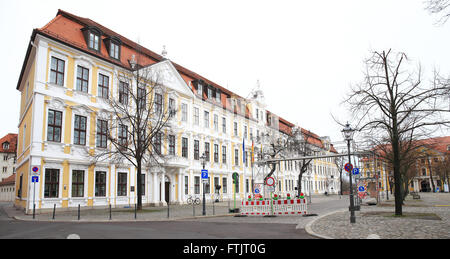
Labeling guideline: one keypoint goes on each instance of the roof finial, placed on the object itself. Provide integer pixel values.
(164, 52)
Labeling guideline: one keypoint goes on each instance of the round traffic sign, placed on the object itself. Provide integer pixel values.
(361, 188)
(270, 181)
(348, 167)
(35, 169)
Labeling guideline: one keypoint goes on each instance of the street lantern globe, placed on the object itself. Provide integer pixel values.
(348, 132)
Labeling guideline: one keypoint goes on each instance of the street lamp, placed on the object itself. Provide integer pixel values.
(203, 158)
(348, 135)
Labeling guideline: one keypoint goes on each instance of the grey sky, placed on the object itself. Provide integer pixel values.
(305, 53)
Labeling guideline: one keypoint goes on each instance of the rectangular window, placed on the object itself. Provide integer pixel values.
(207, 154)
(216, 183)
(184, 114)
(224, 154)
(158, 104)
(100, 184)
(246, 186)
(102, 133)
(216, 122)
(94, 41)
(79, 131)
(208, 186)
(123, 135)
(216, 153)
(123, 93)
(206, 119)
(224, 185)
(77, 183)
(141, 97)
(235, 129)
(51, 189)
(114, 50)
(103, 86)
(157, 143)
(196, 116)
(186, 184)
(224, 125)
(217, 95)
(172, 109)
(197, 184)
(245, 131)
(54, 126)
(184, 147)
(196, 149)
(122, 184)
(171, 145)
(82, 79)
(57, 71)
(236, 157)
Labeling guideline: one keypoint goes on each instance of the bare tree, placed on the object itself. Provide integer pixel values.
(138, 118)
(439, 7)
(392, 104)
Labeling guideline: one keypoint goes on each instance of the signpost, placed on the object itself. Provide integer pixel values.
(235, 177)
(35, 179)
(355, 171)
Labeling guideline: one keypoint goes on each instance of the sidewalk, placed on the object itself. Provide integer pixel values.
(427, 218)
(127, 213)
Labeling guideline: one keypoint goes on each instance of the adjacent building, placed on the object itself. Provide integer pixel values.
(69, 71)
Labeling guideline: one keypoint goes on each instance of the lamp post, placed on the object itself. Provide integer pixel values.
(348, 134)
(203, 158)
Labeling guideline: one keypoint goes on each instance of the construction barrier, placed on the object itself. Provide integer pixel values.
(278, 207)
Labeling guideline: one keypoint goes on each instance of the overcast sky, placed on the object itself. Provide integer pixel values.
(305, 54)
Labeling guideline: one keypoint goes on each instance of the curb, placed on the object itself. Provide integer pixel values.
(308, 227)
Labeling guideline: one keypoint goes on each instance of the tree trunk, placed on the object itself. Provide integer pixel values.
(138, 187)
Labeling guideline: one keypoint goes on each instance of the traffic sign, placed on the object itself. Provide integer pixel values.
(270, 181)
(204, 174)
(348, 167)
(256, 190)
(355, 171)
(361, 189)
(36, 170)
(34, 179)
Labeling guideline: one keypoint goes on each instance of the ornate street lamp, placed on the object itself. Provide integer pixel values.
(203, 158)
(348, 135)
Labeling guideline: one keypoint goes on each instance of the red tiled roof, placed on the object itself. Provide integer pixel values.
(11, 138)
(66, 28)
(8, 180)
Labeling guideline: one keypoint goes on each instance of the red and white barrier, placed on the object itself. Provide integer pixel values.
(278, 207)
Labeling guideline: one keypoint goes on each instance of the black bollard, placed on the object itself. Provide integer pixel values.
(34, 207)
(78, 211)
(54, 208)
(135, 211)
(109, 211)
(193, 209)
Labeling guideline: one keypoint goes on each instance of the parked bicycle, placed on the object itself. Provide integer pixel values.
(191, 199)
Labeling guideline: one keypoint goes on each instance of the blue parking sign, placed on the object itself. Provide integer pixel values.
(34, 179)
(355, 171)
(204, 174)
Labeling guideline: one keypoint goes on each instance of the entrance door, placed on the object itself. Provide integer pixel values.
(167, 189)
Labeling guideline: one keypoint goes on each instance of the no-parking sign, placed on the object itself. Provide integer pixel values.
(36, 170)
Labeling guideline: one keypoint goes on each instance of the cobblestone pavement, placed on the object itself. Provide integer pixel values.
(426, 218)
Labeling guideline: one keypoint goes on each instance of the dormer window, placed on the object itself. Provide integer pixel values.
(218, 95)
(94, 41)
(6, 145)
(92, 36)
(113, 46)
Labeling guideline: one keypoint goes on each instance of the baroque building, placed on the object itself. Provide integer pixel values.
(69, 72)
